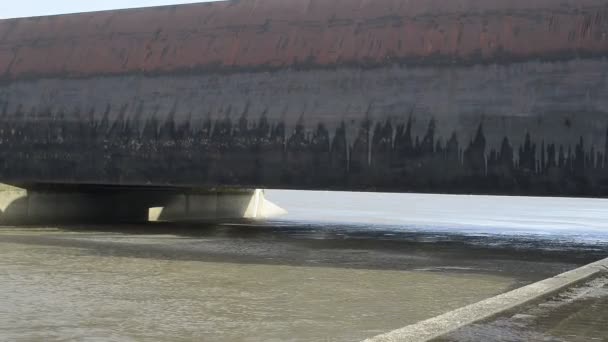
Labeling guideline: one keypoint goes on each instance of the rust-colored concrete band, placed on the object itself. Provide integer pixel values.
(267, 34)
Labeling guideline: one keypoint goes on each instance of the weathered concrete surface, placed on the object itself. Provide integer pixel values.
(247, 204)
(575, 314)
(448, 322)
(20, 206)
(501, 97)
(98, 205)
(272, 34)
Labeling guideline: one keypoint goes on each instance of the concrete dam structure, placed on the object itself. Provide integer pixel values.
(442, 96)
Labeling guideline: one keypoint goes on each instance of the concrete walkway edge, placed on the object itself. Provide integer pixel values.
(440, 325)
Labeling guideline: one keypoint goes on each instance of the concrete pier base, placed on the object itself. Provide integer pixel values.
(103, 205)
(247, 204)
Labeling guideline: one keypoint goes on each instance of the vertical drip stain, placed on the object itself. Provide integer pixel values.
(254, 151)
(108, 98)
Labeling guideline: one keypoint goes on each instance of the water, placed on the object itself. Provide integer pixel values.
(567, 219)
(578, 314)
(311, 276)
(121, 289)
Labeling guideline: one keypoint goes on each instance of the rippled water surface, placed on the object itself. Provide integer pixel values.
(58, 293)
(298, 279)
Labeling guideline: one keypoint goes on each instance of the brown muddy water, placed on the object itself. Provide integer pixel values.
(279, 281)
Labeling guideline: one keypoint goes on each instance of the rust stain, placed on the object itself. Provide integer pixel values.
(286, 33)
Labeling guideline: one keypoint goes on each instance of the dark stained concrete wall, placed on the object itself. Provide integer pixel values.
(505, 97)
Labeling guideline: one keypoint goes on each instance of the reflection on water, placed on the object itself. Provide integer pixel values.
(247, 283)
(569, 219)
(310, 277)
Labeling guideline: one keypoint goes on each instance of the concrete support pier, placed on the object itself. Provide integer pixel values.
(56, 204)
(216, 205)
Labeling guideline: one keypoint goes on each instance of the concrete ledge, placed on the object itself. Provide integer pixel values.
(450, 321)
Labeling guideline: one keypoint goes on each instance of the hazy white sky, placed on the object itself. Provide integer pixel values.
(27, 8)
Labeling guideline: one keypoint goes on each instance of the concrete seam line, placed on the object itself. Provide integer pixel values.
(443, 324)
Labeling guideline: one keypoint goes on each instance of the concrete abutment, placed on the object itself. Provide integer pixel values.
(57, 204)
